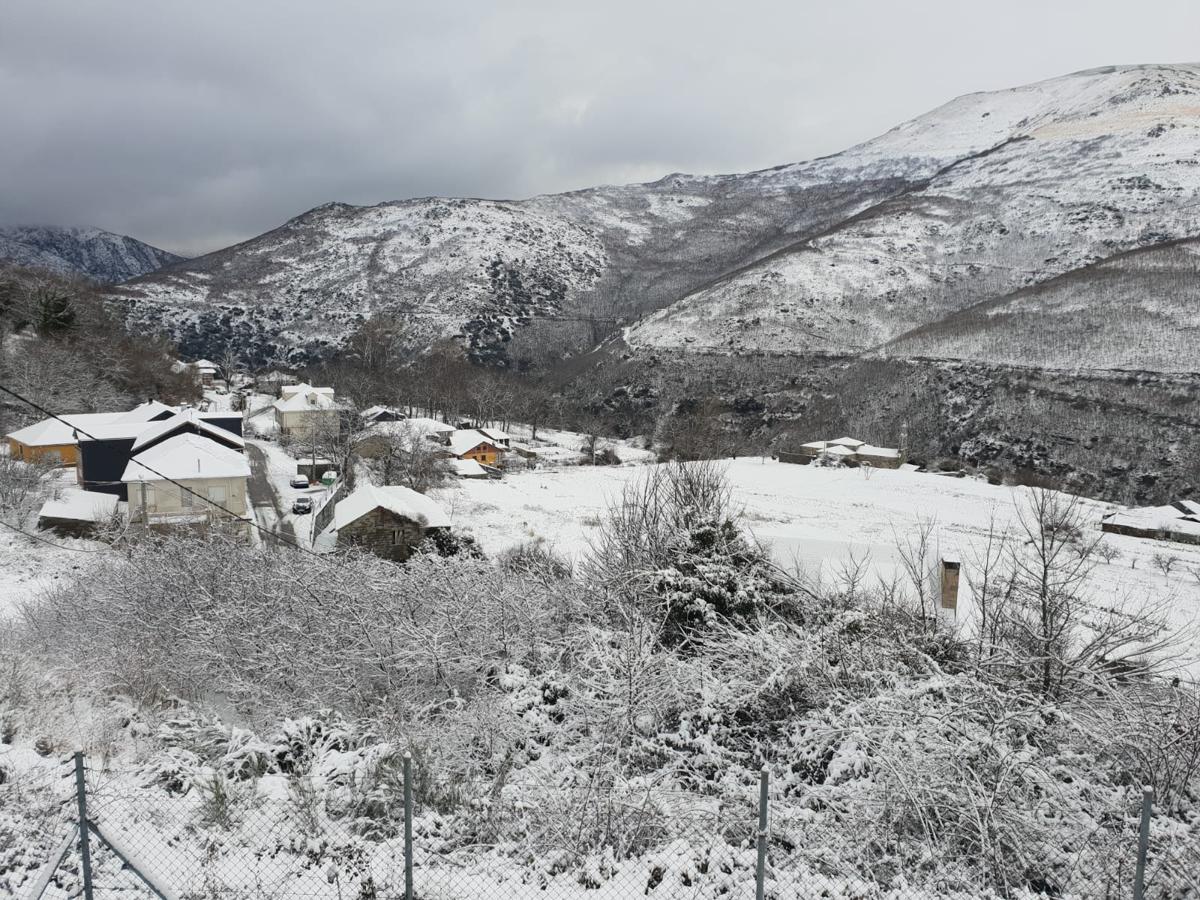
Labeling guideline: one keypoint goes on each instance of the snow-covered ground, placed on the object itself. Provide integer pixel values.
(819, 519)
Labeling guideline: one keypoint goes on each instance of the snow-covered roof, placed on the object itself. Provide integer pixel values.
(1188, 507)
(871, 450)
(205, 364)
(186, 456)
(313, 398)
(189, 417)
(466, 440)
(1156, 518)
(373, 412)
(850, 442)
(53, 432)
(400, 500)
(144, 412)
(467, 468)
(426, 425)
(81, 506)
(838, 451)
(290, 390)
(814, 445)
(494, 433)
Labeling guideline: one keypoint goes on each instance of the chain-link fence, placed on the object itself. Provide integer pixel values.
(392, 835)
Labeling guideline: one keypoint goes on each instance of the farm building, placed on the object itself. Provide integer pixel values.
(847, 450)
(1178, 521)
(187, 479)
(473, 444)
(389, 521)
(303, 408)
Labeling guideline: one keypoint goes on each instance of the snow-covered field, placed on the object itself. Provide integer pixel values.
(819, 519)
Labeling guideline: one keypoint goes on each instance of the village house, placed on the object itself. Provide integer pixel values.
(438, 432)
(379, 437)
(56, 440)
(206, 372)
(373, 414)
(303, 409)
(104, 456)
(187, 479)
(473, 444)
(390, 521)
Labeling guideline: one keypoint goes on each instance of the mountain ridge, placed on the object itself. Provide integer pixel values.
(982, 196)
(89, 252)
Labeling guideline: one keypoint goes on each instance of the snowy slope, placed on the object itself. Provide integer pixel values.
(822, 520)
(90, 252)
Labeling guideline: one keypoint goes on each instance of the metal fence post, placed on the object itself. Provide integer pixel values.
(760, 870)
(408, 843)
(1139, 876)
(85, 850)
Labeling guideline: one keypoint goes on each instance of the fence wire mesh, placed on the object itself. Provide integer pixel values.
(342, 835)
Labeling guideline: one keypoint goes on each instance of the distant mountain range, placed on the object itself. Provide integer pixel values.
(90, 252)
(1046, 225)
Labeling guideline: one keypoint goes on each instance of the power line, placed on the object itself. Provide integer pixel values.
(182, 487)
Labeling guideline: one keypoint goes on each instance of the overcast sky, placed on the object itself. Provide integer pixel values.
(192, 125)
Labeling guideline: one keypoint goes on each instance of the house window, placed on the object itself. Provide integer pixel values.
(396, 536)
(218, 494)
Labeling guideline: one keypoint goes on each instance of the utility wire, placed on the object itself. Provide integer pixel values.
(183, 487)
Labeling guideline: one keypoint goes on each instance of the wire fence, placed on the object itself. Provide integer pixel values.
(343, 836)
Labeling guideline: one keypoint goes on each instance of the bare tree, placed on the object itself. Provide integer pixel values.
(402, 454)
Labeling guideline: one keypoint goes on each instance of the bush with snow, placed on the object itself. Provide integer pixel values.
(602, 729)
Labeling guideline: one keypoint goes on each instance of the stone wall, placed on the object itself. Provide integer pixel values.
(383, 533)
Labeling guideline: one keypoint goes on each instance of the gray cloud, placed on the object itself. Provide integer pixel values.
(193, 125)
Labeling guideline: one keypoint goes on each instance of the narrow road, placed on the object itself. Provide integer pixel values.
(268, 505)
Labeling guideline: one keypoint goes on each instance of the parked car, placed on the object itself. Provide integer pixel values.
(300, 481)
(302, 505)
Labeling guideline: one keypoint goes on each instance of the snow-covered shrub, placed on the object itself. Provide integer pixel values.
(672, 549)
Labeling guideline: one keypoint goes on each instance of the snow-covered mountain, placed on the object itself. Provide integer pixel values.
(1006, 190)
(979, 200)
(90, 252)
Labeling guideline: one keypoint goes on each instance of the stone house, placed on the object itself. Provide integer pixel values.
(387, 520)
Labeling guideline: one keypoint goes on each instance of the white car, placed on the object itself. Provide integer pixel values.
(300, 482)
